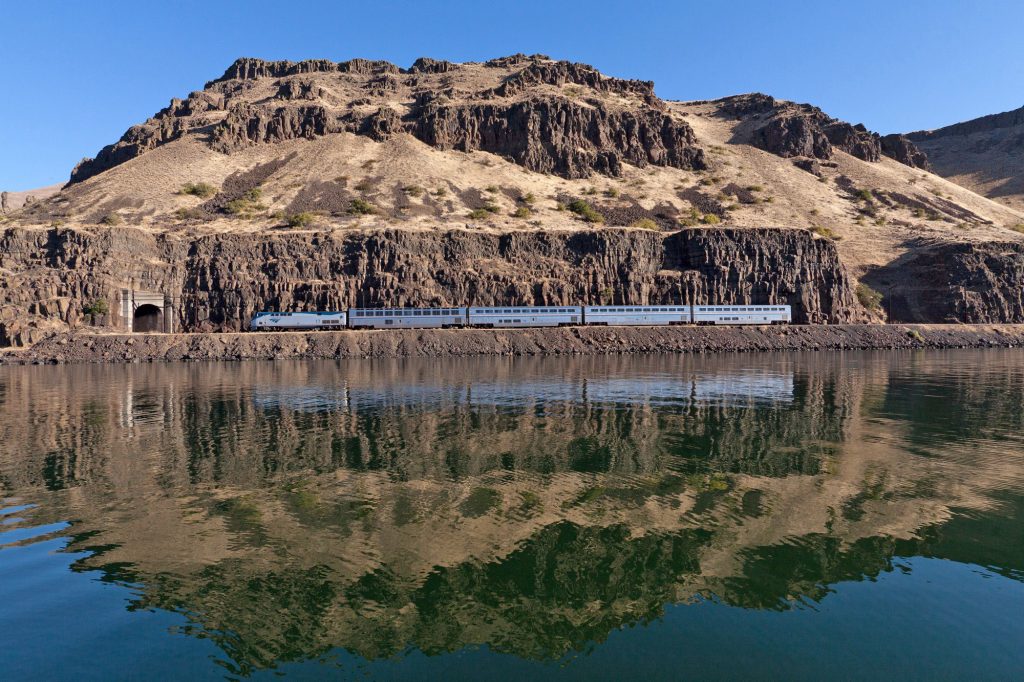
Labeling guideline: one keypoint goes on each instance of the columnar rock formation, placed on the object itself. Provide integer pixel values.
(519, 107)
(224, 279)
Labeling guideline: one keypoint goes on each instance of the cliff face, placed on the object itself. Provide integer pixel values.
(219, 281)
(551, 117)
(962, 282)
(792, 130)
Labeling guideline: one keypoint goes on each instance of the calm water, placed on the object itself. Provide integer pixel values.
(768, 516)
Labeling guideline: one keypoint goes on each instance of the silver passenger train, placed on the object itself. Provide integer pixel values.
(488, 317)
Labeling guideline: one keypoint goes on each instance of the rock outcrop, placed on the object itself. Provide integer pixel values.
(956, 282)
(791, 130)
(220, 281)
(528, 116)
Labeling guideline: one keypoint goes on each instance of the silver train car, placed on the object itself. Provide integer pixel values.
(406, 318)
(525, 316)
(317, 320)
(637, 315)
(742, 314)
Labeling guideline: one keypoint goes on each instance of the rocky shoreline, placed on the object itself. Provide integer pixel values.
(125, 348)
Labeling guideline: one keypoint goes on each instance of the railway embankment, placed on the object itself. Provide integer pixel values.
(129, 348)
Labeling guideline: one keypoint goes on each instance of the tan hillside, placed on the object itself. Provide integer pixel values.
(520, 144)
(985, 155)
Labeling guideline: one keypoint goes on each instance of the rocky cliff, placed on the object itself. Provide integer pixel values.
(792, 130)
(551, 117)
(219, 281)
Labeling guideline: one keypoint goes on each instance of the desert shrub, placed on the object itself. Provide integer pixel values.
(96, 307)
(645, 224)
(611, 192)
(590, 191)
(865, 195)
(755, 188)
(521, 212)
(585, 211)
(363, 186)
(301, 219)
(493, 189)
(189, 213)
(528, 198)
(247, 204)
(1019, 227)
(203, 190)
(825, 232)
(915, 335)
(868, 297)
(361, 207)
(111, 219)
(491, 207)
(440, 192)
(711, 219)
(413, 190)
(479, 214)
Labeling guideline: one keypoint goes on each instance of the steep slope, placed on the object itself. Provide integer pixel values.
(324, 151)
(985, 155)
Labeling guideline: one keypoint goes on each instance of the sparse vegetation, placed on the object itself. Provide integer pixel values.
(825, 232)
(493, 189)
(413, 190)
(865, 195)
(611, 192)
(246, 205)
(96, 307)
(711, 219)
(868, 297)
(361, 207)
(301, 219)
(203, 190)
(522, 212)
(585, 211)
(363, 186)
(645, 224)
(111, 219)
(479, 214)
(755, 188)
(440, 192)
(189, 214)
(915, 335)
(590, 191)
(368, 164)
(1019, 227)
(528, 199)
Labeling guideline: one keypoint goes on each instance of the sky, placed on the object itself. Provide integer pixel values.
(77, 74)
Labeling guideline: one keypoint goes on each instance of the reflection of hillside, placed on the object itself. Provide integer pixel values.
(291, 508)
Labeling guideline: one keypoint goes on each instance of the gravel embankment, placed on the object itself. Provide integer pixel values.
(86, 348)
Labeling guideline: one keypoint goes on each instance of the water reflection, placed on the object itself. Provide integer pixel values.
(533, 506)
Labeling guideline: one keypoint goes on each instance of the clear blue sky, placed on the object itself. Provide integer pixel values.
(77, 74)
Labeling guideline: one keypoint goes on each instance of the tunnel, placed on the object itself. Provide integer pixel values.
(148, 318)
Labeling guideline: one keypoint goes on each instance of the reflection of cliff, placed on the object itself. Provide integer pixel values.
(288, 509)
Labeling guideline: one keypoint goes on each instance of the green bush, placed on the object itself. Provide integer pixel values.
(865, 195)
(521, 212)
(97, 307)
(247, 204)
(528, 198)
(203, 190)
(361, 207)
(301, 219)
(711, 219)
(479, 214)
(189, 214)
(585, 211)
(868, 297)
(645, 224)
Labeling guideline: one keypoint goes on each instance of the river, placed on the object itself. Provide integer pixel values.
(799, 516)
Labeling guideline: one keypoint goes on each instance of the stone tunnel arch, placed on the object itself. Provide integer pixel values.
(148, 318)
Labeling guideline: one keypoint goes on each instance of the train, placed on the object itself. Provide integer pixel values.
(494, 317)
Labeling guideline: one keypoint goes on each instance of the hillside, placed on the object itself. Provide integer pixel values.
(280, 151)
(985, 155)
